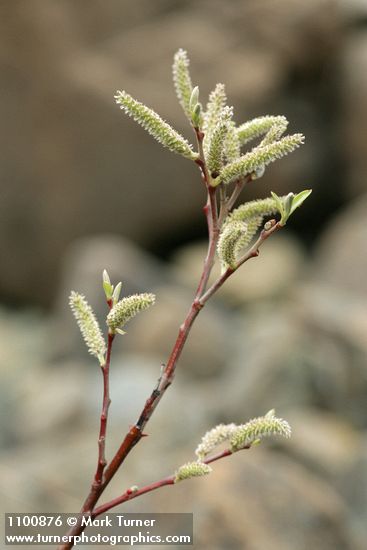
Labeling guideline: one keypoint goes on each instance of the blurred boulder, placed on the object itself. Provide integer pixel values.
(279, 265)
(152, 333)
(74, 165)
(259, 500)
(339, 258)
(354, 489)
(264, 371)
(83, 265)
(326, 443)
(351, 135)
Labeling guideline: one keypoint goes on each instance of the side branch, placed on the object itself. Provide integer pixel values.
(253, 252)
(131, 494)
(211, 212)
(104, 415)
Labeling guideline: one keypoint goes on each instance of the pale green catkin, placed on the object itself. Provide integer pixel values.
(257, 428)
(127, 308)
(88, 325)
(213, 438)
(182, 80)
(192, 469)
(259, 126)
(259, 157)
(229, 243)
(215, 154)
(155, 125)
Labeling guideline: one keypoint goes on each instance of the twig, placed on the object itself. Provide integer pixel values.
(136, 432)
(253, 252)
(104, 415)
(211, 212)
(131, 494)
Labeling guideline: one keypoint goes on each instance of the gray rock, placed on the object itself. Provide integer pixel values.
(83, 266)
(354, 488)
(325, 442)
(74, 165)
(208, 346)
(339, 258)
(280, 263)
(353, 79)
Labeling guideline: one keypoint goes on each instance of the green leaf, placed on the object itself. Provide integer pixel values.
(107, 287)
(108, 290)
(300, 199)
(279, 204)
(287, 205)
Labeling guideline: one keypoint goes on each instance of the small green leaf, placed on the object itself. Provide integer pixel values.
(299, 199)
(279, 204)
(116, 293)
(196, 116)
(195, 108)
(287, 205)
(194, 99)
(288, 200)
(107, 287)
(108, 290)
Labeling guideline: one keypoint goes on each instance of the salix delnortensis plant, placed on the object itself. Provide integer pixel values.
(229, 155)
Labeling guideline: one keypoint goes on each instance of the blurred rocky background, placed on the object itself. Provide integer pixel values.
(83, 188)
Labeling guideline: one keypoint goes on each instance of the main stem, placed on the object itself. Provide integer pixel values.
(130, 494)
(136, 432)
(201, 297)
(101, 464)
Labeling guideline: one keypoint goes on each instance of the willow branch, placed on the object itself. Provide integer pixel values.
(227, 205)
(253, 252)
(211, 212)
(136, 432)
(130, 494)
(104, 414)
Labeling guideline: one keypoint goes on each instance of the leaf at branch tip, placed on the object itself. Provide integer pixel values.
(192, 469)
(88, 325)
(299, 199)
(258, 428)
(127, 308)
(116, 293)
(106, 283)
(106, 277)
(259, 157)
(155, 125)
(182, 80)
(288, 204)
(194, 98)
(195, 108)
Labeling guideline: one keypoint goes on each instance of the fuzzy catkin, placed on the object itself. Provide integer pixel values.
(154, 125)
(88, 325)
(127, 308)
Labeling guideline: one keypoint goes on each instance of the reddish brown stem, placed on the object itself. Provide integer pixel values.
(104, 414)
(227, 205)
(201, 297)
(130, 494)
(253, 252)
(211, 212)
